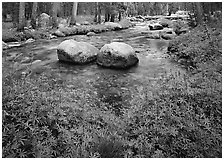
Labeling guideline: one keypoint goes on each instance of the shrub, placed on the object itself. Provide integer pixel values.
(9, 36)
(199, 45)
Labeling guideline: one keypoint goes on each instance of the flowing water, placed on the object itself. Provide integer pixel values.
(109, 84)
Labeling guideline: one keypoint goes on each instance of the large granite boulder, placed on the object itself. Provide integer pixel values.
(76, 52)
(117, 55)
(113, 26)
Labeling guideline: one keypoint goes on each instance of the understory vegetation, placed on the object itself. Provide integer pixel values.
(177, 117)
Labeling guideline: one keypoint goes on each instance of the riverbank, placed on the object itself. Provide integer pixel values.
(11, 35)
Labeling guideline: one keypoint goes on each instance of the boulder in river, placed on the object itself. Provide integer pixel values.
(76, 52)
(117, 55)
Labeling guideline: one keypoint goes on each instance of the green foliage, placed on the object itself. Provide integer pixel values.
(13, 36)
(9, 36)
(201, 44)
(176, 117)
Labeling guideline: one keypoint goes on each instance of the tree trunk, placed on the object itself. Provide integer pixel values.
(199, 13)
(112, 17)
(22, 21)
(55, 6)
(98, 13)
(96, 6)
(34, 15)
(74, 13)
(107, 12)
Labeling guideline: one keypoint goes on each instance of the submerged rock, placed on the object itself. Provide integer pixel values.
(117, 55)
(76, 52)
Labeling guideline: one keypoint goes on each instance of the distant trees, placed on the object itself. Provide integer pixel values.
(55, 6)
(104, 11)
(74, 13)
(34, 15)
(199, 13)
(22, 21)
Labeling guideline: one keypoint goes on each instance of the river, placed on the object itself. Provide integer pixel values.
(112, 86)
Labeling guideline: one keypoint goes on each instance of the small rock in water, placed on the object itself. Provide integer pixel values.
(30, 40)
(52, 36)
(91, 34)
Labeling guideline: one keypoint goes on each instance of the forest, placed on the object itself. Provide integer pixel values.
(111, 79)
